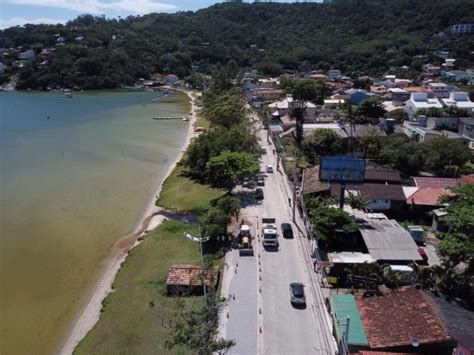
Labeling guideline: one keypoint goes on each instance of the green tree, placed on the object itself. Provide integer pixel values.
(442, 152)
(305, 91)
(371, 110)
(214, 223)
(226, 111)
(228, 168)
(230, 205)
(196, 329)
(326, 219)
(323, 142)
(358, 201)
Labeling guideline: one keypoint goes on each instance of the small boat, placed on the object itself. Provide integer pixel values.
(68, 94)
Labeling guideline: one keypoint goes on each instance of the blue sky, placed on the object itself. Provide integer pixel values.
(19, 12)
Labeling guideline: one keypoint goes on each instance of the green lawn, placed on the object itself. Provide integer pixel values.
(128, 325)
(202, 122)
(184, 195)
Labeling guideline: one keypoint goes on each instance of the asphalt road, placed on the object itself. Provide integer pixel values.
(261, 285)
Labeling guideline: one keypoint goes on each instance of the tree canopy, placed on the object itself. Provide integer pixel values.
(350, 35)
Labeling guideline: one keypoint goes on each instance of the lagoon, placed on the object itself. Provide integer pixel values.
(74, 176)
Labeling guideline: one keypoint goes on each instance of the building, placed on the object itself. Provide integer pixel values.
(344, 306)
(403, 320)
(460, 100)
(439, 90)
(269, 83)
(26, 55)
(466, 129)
(286, 107)
(459, 75)
(428, 190)
(462, 29)
(382, 187)
(356, 96)
(458, 320)
(388, 242)
(188, 279)
(170, 79)
(334, 74)
(418, 131)
(420, 101)
(400, 95)
(432, 70)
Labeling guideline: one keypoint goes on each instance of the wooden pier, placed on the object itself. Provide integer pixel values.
(168, 118)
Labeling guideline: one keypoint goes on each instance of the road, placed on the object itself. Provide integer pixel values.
(261, 285)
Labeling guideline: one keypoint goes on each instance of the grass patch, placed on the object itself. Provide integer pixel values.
(137, 313)
(184, 195)
(202, 122)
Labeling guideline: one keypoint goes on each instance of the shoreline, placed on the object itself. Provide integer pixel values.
(147, 220)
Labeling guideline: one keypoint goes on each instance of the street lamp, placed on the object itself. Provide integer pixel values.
(200, 241)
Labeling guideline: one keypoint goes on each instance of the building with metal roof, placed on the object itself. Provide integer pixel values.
(344, 306)
(386, 240)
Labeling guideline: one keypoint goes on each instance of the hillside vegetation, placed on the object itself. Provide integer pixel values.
(356, 36)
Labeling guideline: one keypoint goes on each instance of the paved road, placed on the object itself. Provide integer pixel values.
(279, 328)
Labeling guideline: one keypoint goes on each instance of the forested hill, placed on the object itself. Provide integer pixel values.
(356, 36)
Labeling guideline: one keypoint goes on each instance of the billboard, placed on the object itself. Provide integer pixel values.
(342, 169)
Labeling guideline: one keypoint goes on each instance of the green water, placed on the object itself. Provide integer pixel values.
(70, 187)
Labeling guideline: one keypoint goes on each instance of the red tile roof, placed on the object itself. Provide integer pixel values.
(189, 275)
(436, 182)
(427, 196)
(394, 317)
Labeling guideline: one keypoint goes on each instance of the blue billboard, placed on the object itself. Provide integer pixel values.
(342, 169)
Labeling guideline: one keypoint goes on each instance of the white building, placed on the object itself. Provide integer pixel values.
(440, 90)
(269, 83)
(286, 106)
(420, 101)
(460, 100)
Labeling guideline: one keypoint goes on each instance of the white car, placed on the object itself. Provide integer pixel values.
(269, 168)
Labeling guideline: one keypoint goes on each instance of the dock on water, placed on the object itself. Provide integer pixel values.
(168, 117)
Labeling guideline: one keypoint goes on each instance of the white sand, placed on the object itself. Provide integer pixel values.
(147, 221)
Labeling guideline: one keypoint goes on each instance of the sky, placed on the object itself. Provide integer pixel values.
(19, 12)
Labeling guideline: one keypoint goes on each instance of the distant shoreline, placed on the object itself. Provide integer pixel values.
(147, 220)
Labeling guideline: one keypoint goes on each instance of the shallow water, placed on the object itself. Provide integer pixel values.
(71, 185)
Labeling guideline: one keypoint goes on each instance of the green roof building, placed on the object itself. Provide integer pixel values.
(344, 306)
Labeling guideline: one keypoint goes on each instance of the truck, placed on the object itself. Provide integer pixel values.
(245, 241)
(269, 233)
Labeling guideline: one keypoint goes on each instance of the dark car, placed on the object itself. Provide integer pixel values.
(259, 194)
(260, 181)
(286, 230)
(297, 294)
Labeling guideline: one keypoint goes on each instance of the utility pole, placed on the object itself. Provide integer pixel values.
(200, 240)
(203, 278)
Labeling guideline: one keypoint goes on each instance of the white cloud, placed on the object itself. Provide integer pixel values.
(99, 6)
(20, 21)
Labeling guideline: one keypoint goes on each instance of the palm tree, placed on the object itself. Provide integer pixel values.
(358, 200)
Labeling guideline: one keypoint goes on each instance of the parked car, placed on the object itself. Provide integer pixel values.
(260, 181)
(259, 194)
(269, 168)
(422, 253)
(263, 148)
(286, 230)
(297, 294)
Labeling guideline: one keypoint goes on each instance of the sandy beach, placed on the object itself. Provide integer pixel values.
(148, 220)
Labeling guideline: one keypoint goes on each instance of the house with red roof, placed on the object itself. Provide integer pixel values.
(403, 320)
